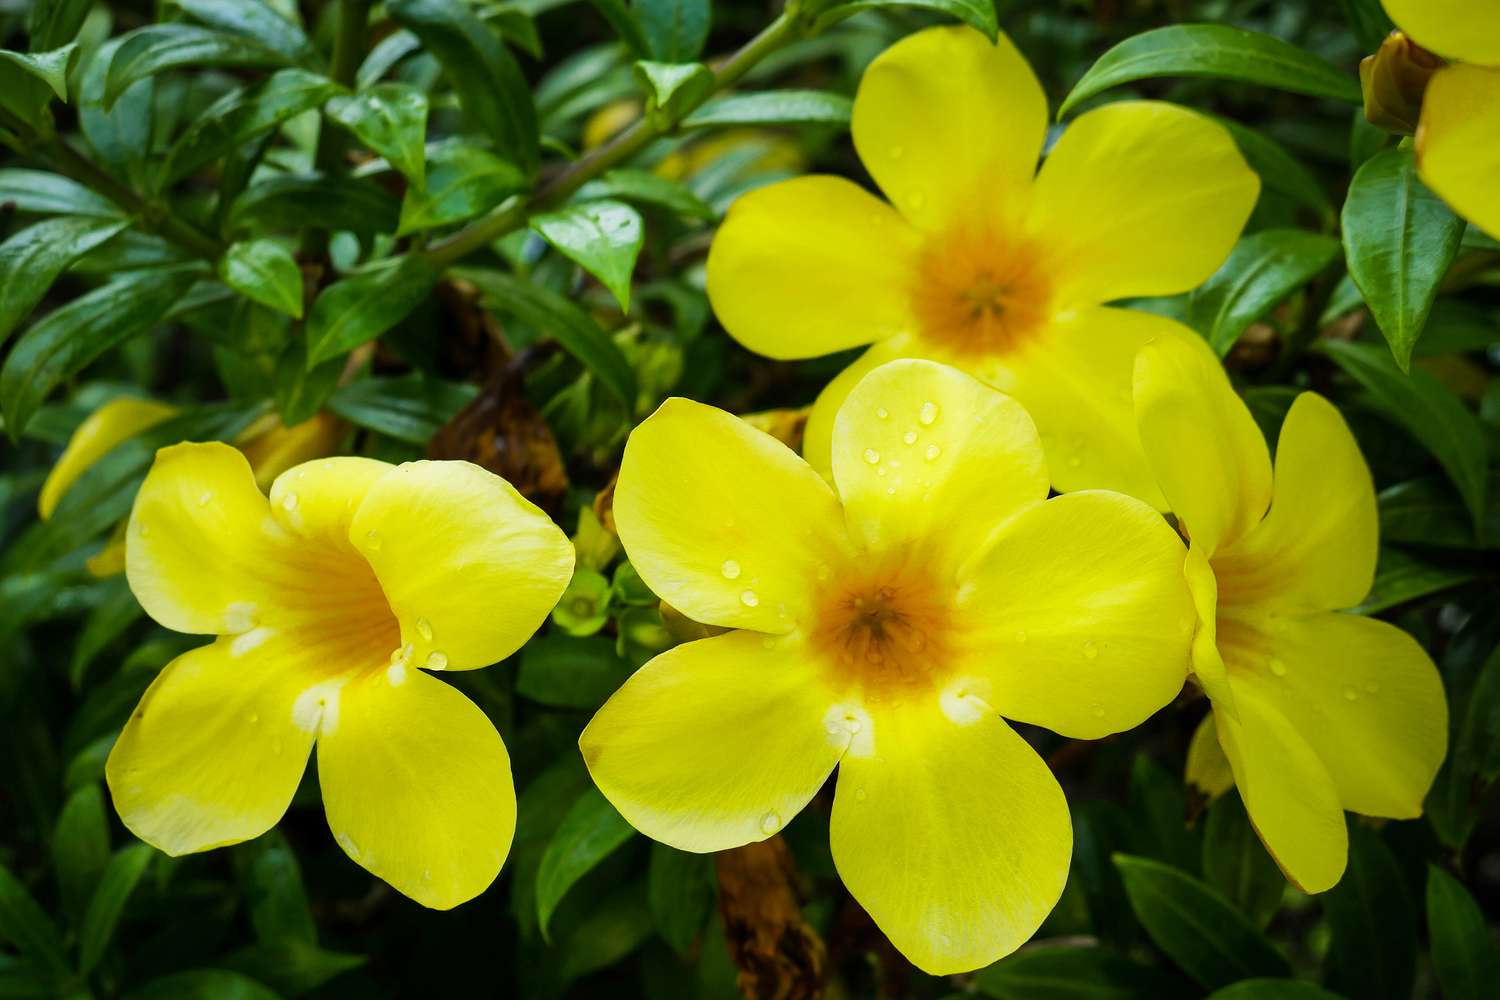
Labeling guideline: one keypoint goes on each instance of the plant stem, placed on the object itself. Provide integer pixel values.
(622, 147)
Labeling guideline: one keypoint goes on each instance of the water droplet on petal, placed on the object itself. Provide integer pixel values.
(910, 437)
(206, 499)
(1090, 650)
(289, 502)
(883, 413)
(928, 413)
(1350, 694)
(372, 540)
(437, 660)
(1278, 667)
(933, 451)
(1098, 710)
(1373, 687)
(424, 629)
(749, 599)
(872, 456)
(770, 822)
(730, 569)
(861, 794)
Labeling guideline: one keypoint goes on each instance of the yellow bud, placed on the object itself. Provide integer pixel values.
(1394, 80)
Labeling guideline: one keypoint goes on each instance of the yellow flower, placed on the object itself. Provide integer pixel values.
(326, 601)
(975, 263)
(114, 422)
(1458, 154)
(884, 629)
(1317, 710)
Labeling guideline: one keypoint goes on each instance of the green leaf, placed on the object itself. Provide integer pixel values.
(463, 180)
(1196, 926)
(623, 20)
(674, 87)
(25, 926)
(1429, 410)
(80, 847)
(51, 68)
(363, 305)
(590, 832)
(293, 967)
(1372, 953)
(1429, 511)
(1477, 744)
(295, 202)
(1369, 21)
(646, 188)
(407, 407)
(1262, 270)
(111, 618)
(114, 890)
(271, 883)
(157, 48)
(55, 22)
(1214, 51)
(773, 107)
(488, 81)
(40, 193)
(266, 271)
(1273, 989)
(1158, 812)
(565, 672)
(1399, 239)
(1463, 956)
(33, 258)
(978, 14)
(569, 325)
(1402, 577)
(254, 19)
(68, 338)
(391, 119)
(680, 891)
(1236, 863)
(675, 30)
(602, 237)
(122, 135)
(1279, 170)
(1069, 972)
(203, 984)
(241, 115)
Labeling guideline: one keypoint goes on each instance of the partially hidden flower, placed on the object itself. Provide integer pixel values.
(1317, 709)
(271, 446)
(328, 601)
(1458, 135)
(979, 264)
(884, 626)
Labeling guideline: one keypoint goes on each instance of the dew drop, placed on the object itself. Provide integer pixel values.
(289, 502)
(749, 599)
(770, 822)
(872, 456)
(206, 499)
(1350, 694)
(933, 451)
(424, 629)
(1278, 667)
(437, 660)
(1090, 650)
(928, 413)
(372, 540)
(1373, 687)
(1074, 461)
(398, 656)
(890, 491)
(883, 413)
(730, 569)
(852, 724)
(861, 794)
(910, 437)
(1098, 710)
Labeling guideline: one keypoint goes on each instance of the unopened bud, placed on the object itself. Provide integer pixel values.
(1394, 80)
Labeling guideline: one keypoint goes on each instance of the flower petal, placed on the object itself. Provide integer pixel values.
(944, 120)
(417, 786)
(1468, 30)
(925, 454)
(953, 835)
(316, 500)
(470, 567)
(817, 436)
(1079, 615)
(1207, 767)
(203, 553)
(722, 521)
(1457, 154)
(279, 447)
(214, 751)
(115, 421)
(716, 743)
(1361, 692)
(1208, 455)
(1291, 800)
(1141, 198)
(1317, 545)
(810, 266)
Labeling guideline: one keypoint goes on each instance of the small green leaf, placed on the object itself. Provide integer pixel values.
(489, 83)
(1236, 863)
(565, 672)
(51, 68)
(978, 14)
(1402, 577)
(1279, 170)
(157, 48)
(116, 611)
(56, 22)
(463, 180)
(675, 30)
(1273, 989)
(363, 305)
(1372, 953)
(623, 20)
(33, 258)
(271, 883)
(1429, 511)
(114, 890)
(41, 193)
(25, 925)
(1463, 956)
(1069, 972)
(1196, 926)
(1158, 813)
(590, 832)
(407, 407)
(773, 107)
(680, 891)
(573, 328)
(1214, 51)
(122, 135)
(1429, 410)
(254, 19)
(602, 237)
(1477, 744)
(266, 271)
(674, 87)
(80, 847)
(646, 188)
(1262, 270)
(391, 119)
(1399, 239)
(295, 202)
(292, 967)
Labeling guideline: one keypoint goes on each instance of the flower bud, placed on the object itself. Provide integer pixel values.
(1394, 80)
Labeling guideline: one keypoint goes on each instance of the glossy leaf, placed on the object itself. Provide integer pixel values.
(675, 30)
(463, 180)
(1429, 511)
(1279, 170)
(362, 306)
(1399, 239)
(567, 672)
(116, 885)
(31, 260)
(38, 192)
(51, 68)
(25, 926)
(391, 119)
(1463, 954)
(1236, 863)
(591, 831)
(271, 880)
(674, 86)
(1072, 972)
(602, 237)
(1373, 950)
(1262, 270)
(645, 188)
(255, 19)
(157, 48)
(1401, 577)
(1213, 51)
(773, 107)
(80, 846)
(408, 407)
(294, 202)
(680, 892)
(266, 271)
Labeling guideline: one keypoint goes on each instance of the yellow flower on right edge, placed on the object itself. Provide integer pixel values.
(979, 260)
(1318, 710)
(1458, 137)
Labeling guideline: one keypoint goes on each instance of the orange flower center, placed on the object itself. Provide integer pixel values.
(980, 292)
